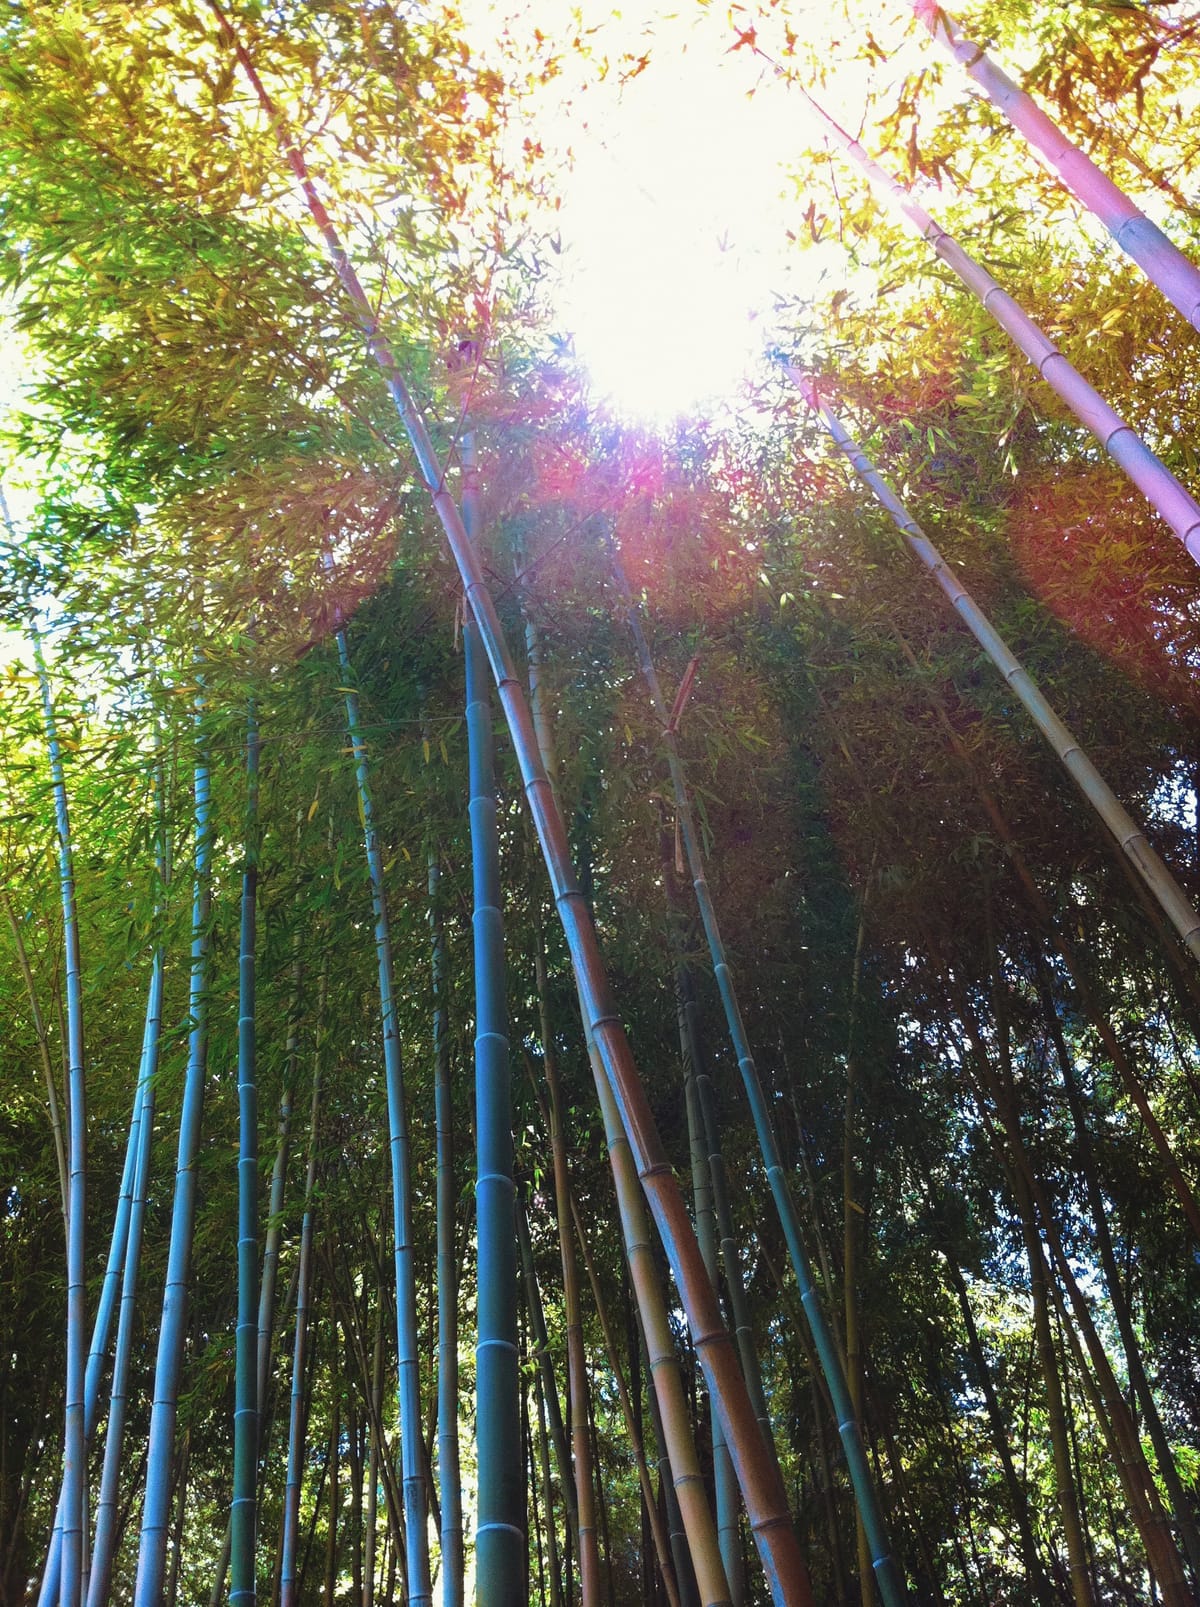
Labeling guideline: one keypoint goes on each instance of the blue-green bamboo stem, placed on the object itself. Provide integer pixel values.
(142, 1141)
(289, 1575)
(500, 1568)
(766, 1500)
(412, 1454)
(243, 1512)
(152, 1547)
(101, 1329)
(888, 1579)
(104, 1542)
(74, 1515)
(449, 1474)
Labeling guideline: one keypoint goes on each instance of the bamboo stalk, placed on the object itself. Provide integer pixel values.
(156, 1509)
(1159, 258)
(500, 1567)
(1079, 767)
(1120, 440)
(416, 1503)
(447, 1266)
(766, 1503)
(288, 1582)
(585, 1492)
(889, 1580)
(244, 1507)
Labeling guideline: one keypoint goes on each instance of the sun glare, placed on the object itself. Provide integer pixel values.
(674, 228)
(676, 208)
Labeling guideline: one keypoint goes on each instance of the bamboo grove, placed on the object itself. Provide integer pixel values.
(593, 1016)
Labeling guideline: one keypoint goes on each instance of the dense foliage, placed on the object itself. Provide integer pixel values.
(962, 1001)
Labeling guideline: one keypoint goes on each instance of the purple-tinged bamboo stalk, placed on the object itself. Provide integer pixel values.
(1159, 258)
(1096, 791)
(1172, 500)
(762, 1489)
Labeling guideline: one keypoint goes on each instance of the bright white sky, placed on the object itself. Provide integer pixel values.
(676, 212)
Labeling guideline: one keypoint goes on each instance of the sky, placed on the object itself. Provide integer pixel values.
(678, 204)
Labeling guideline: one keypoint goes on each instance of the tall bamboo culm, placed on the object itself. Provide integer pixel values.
(1096, 791)
(449, 1474)
(243, 1587)
(412, 1453)
(1172, 500)
(762, 1490)
(889, 1581)
(500, 1565)
(289, 1579)
(156, 1509)
(1159, 258)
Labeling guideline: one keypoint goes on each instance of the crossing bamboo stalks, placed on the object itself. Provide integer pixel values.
(1159, 258)
(1120, 440)
(888, 1579)
(106, 1306)
(243, 1587)
(289, 1546)
(1096, 791)
(156, 1509)
(697, 1551)
(100, 1574)
(766, 1503)
(104, 1542)
(725, 1490)
(658, 1533)
(447, 1265)
(416, 1504)
(1058, 931)
(500, 1567)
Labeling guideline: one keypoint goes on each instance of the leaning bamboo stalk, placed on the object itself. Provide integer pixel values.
(416, 1504)
(698, 1555)
(500, 1565)
(1079, 767)
(577, 1384)
(762, 1490)
(725, 1490)
(1159, 258)
(156, 1509)
(1058, 931)
(889, 1581)
(658, 1533)
(1119, 439)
